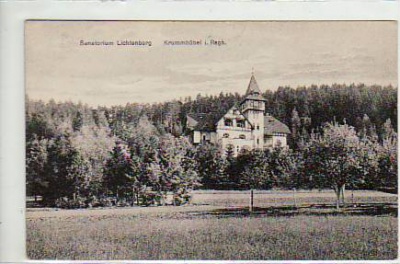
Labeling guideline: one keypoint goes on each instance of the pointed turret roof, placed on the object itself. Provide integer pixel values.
(253, 91)
(253, 86)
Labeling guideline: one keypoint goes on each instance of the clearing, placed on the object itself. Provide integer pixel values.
(218, 226)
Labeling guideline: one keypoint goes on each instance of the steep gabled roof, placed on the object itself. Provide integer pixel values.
(273, 125)
(206, 121)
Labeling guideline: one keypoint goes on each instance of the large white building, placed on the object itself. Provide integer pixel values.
(245, 126)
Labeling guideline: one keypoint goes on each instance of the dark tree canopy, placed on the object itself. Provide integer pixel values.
(74, 150)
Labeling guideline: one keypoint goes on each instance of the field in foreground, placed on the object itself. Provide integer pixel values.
(213, 229)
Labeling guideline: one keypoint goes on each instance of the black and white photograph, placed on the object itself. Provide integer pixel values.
(211, 140)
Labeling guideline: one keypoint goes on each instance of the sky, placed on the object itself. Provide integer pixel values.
(279, 54)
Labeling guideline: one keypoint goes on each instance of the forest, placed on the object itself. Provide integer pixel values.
(83, 156)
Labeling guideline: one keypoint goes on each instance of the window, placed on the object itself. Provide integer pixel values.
(242, 136)
(267, 139)
(226, 135)
(240, 123)
(228, 122)
(204, 137)
(258, 127)
(258, 141)
(268, 142)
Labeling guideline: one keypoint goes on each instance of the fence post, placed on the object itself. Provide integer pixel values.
(133, 195)
(251, 200)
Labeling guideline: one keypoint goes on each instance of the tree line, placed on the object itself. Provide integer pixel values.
(78, 155)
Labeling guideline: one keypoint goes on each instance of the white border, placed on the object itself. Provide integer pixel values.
(12, 17)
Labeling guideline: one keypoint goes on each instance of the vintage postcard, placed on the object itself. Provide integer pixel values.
(206, 140)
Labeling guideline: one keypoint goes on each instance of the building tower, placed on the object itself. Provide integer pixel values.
(253, 108)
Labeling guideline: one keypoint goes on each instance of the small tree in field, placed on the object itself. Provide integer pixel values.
(332, 158)
(256, 172)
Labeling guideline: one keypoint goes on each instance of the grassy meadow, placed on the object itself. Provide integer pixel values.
(218, 226)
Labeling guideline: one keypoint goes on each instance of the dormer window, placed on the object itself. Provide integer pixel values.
(226, 135)
(242, 136)
(228, 122)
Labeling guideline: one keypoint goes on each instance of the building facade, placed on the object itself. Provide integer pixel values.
(245, 126)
